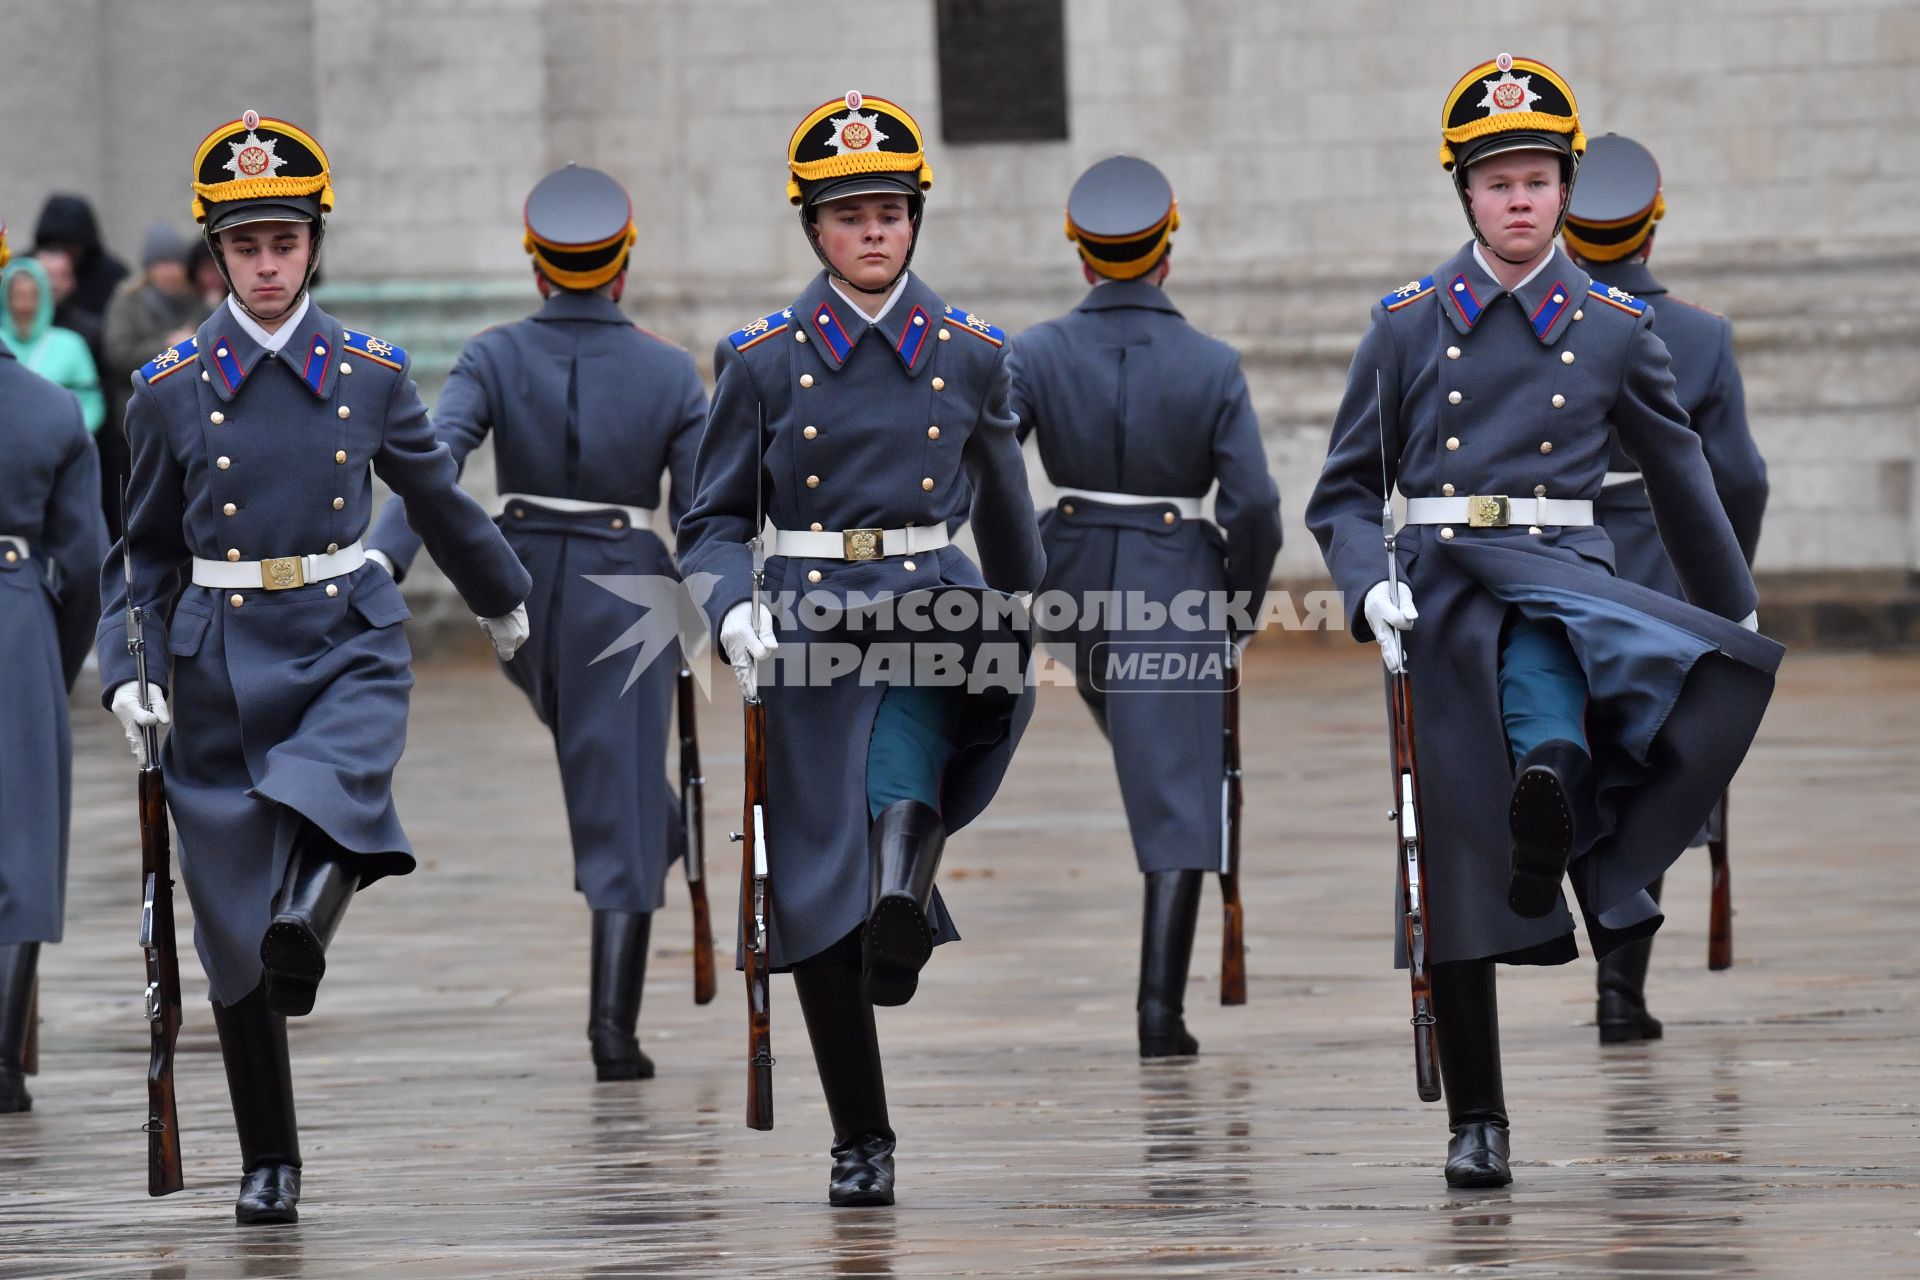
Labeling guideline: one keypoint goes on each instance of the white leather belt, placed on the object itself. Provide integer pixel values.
(858, 544)
(636, 517)
(1189, 508)
(18, 545)
(279, 574)
(1620, 477)
(1497, 511)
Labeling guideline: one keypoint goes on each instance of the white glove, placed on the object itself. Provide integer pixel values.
(1752, 621)
(133, 717)
(508, 631)
(746, 639)
(383, 560)
(1389, 615)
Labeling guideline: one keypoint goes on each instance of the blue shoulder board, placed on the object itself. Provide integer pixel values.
(365, 344)
(760, 330)
(1617, 298)
(973, 324)
(1411, 291)
(172, 360)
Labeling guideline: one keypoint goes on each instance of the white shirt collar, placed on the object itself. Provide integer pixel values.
(1523, 282)
(885, 307)
(271, 342)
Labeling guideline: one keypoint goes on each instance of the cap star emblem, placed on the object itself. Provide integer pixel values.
(1508, 93)
(253, 157)
(855, 131)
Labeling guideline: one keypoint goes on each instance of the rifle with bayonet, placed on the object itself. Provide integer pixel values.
(755, 903)
(1233, 936)
(156, 924)
(693, 825)
(1409, 834)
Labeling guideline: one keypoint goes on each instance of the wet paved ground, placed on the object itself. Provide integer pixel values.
(452, 1128)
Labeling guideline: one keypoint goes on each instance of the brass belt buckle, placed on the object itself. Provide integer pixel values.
(862, 544)
(1487, 511)
(282, 573)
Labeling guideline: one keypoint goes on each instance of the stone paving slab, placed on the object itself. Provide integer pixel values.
(451, 1127)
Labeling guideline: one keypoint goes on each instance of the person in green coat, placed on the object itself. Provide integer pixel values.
(56, 354)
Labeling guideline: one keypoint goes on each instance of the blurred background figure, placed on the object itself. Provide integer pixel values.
(56, 354)
(67, 226)
(153, 311)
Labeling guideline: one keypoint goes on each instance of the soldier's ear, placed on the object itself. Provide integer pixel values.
(618, 285)
(540, 282)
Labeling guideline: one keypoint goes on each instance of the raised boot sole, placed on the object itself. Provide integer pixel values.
(295, 962)
(1541, 823)
(898, 943)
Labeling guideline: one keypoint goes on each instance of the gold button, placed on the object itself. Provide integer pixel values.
(12, 555)
(813, 575)
(332, 547)
(233, 555)
(1559, 402)
(939, 384)
(1533, 528)
(332, 590)
(810, 433)
(806, 379)
(1566, 357)
(345, 367)
(1453, 442)
(1453, 353)
(229, 509)
(319, 351)
(345, 412)
(1546, 446)
(519, 513)
(799, 335)
(216, 417)
(1539, 491)
(1453, 397)
(1559, 297)
(943, 335)
(933, 433)
(222, 353)
(619, 524)
(1067, 508)
(236, 600)
(223, 462)
(813, 482)
(1447, 534)
(816, 527)
(339, 504)
(1578, 314)
(204, 377)
(1446, 490)
(1168, 518)
(909, 565)
(918, 320)
(340, 455)
(927, 484)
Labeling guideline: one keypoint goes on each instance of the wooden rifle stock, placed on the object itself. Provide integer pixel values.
(1410, 853)
(693, 818)
(755, 908)
(163, 983)
(1720, 910)
(1233, 935)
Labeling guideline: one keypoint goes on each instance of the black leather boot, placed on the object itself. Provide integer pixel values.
(314, 896)
(253, 1044)
(903, 848)
(619, 975)
(846, 1050)
(1547, 793)
(1166, 951)
(1468, 1018)
(1621, 981)
(18, 962)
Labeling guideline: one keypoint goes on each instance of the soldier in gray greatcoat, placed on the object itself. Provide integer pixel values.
(885, 417)
(588, 413)
(1609, 232)
(52, 540)
(1571, 724)
(253, 446)
(1138, 415)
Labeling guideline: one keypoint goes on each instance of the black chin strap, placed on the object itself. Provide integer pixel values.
(313, 265)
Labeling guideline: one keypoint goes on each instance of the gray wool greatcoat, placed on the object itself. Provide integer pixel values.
(290, 706)
(1127, 397)
(1492, 393)
(584, 404)
(49, 602)
(867, 426)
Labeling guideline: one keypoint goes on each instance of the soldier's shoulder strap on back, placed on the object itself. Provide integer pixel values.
(170, 361)
(1408, 294)
(768, 326)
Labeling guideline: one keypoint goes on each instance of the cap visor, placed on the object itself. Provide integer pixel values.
(864, 184)
(229, 219)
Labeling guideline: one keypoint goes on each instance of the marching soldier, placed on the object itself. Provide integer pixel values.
(252, 444)
(885, 417)
(52, 540)
(588, 413)
(1609, 232)
(1139, 414)
(1571, 724)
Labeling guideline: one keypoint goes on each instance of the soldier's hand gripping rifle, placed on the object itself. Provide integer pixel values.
(1233, 936)
(1409, 837)
(1720, 905)
(156, 924)
(693, 823)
